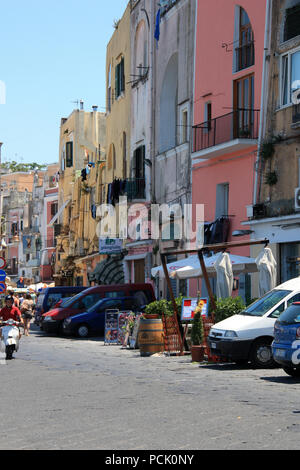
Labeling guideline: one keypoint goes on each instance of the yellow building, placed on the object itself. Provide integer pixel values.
(118, 125)
(118, 100)
(82, 174)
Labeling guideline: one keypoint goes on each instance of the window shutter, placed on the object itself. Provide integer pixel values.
(122, 76)
(69, 154)
(117, 81)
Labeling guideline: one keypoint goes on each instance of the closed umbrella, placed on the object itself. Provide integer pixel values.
(267, 268)
(224, 271)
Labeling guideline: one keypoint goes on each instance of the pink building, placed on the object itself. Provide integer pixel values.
(227, 100)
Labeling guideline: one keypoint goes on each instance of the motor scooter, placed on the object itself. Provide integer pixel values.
(10, 337)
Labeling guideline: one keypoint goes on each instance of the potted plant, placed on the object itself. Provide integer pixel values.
(197, 336)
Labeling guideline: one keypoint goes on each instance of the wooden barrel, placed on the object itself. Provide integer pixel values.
(151, 337)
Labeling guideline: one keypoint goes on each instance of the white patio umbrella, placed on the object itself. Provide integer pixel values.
(267, 268)
(189, 268)
(224, 271)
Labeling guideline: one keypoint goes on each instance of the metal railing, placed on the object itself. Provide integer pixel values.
(239, 124)
(133, 188)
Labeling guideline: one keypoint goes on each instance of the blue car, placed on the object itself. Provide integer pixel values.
(286, 345)
(92, 321)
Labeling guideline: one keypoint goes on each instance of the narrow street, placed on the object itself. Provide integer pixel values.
(77, 394)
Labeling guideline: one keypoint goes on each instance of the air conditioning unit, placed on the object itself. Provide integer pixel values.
(297, 198)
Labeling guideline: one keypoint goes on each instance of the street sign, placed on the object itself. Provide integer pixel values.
(3, 287)
(2, 263)
(2, 275)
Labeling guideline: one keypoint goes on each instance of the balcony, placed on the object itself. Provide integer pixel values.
(133, 188)
(229, 133)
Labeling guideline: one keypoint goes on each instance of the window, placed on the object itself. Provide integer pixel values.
(54, 209)
(69, 154)
(279, 310)
(207, 116)
(86, 301)
(245, 51)
(290, 76)
(167, 122)
(109, 97)
(120, 79)
(270, 300)
(184, 126)
(138, 168)
(244, 107)
(115, 294)
(292, 23)
(124, 143)
(222, 200)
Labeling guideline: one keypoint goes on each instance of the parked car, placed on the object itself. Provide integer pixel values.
(52, 322)
(249, 335)
(93, 320)
(51, 296)
(286, 344)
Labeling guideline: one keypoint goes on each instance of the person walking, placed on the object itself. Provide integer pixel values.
(27, 312)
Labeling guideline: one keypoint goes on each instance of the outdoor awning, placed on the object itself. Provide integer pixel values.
(58, 214)
(136, 257)
(108, 272)
(189, 268)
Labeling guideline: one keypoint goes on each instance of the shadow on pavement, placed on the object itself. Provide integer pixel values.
(226, 366)
(36, 331)
(284, 379)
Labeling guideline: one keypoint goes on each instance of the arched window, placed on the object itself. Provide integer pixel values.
(141, 50)
(245, 52)
(292, 21)
(111, 162)
(109, 95)
(168, 107)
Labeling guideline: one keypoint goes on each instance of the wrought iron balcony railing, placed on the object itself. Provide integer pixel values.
(239, 124)
(133, 188)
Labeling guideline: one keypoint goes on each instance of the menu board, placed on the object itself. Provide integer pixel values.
(111, 326)
(189, 306)
(116, 328)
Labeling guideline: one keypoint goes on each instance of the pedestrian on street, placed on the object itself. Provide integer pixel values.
(27, 312)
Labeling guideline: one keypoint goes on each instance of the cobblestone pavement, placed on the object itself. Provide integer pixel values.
(63, 393)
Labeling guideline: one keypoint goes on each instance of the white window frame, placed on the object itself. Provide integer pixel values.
(185, 108)
(289, 66)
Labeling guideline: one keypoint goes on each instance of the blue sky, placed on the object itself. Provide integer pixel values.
(52, 53)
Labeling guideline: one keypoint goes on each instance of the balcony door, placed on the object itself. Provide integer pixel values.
(244, 107)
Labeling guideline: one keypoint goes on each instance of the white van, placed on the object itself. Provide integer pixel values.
(249, 335)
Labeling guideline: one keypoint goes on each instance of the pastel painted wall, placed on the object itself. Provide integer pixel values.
(214, 63)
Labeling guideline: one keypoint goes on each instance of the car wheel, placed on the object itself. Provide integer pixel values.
(83, 331)
(261, 354)
(293, 372)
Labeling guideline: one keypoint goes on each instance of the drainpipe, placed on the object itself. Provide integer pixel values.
(264, 94)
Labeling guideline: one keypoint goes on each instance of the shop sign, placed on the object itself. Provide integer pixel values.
(110, 246)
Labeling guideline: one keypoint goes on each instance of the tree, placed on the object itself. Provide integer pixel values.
(14, 167)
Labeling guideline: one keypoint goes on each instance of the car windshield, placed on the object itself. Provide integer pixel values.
(291, 315)
(70, 300)
(266, 303)
(64, 302)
